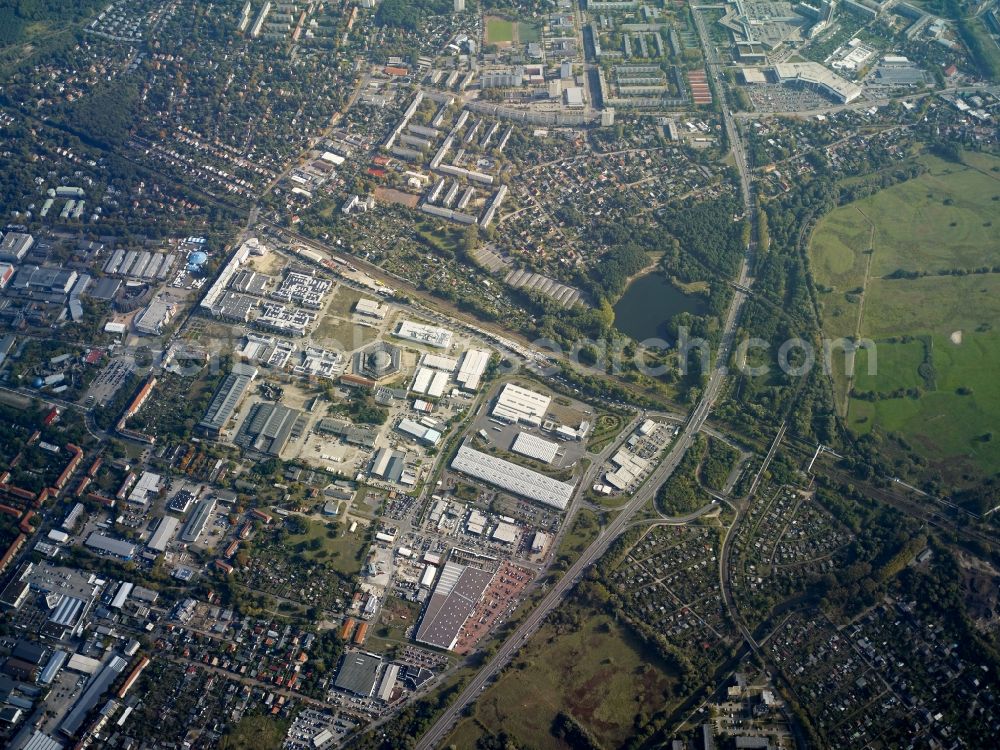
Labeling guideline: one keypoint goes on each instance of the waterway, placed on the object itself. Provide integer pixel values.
(648, 305)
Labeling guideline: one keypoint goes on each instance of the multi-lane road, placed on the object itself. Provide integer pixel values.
(437, 733)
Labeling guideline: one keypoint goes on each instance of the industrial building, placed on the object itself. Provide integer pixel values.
(535, 447)
(388, 464)
(516, 404)
(358, 673)
(163, 534)
(109, 546)
(96, 687)
(371, 309)
(458, 590)
(513, 478)
(267, 428)
(505, 533)
(473, 365)
(198, 520)
(419, 333)
(145, 489)
(430, 382)
(420, 433)
(44, 280)
(227, 398)
(15, 245)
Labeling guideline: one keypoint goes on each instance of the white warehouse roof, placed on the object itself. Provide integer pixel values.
(535, 447)
(473, 366)
(513, 478)
(517, 404)
(424, 334)
(163, 534)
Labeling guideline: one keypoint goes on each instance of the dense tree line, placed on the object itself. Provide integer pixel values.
(719, 461)
(612, 271)
(703, 241)
(16, 14)
(408, 14)
(105, 117)
(681, 493)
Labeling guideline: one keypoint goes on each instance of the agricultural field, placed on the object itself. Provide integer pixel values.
(913, 269)
(599, 673)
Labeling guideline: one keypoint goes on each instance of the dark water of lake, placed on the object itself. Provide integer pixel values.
(648, 305)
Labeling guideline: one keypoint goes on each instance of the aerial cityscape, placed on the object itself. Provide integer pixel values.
(499, 374)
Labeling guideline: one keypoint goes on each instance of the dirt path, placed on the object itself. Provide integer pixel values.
(849, 355)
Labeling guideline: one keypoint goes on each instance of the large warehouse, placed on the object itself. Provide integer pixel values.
(474, 363)
(513, 478)
(517, 404)
(815, 75)
(535, 447)
(163, 534)
(458, 590)
(358, 673)
(227, 398)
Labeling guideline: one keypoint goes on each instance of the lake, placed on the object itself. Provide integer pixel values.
(648, 305)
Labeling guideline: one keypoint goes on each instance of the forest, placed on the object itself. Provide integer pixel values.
(15, 15)
(408, 14)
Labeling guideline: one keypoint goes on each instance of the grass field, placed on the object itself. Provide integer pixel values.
(893, 366)
(607, 426)
(939, 221)
(584, 530)
(599, 673)
(255, 733)
(335, 327)
(344, 551)
(499, 30)
(528, 32)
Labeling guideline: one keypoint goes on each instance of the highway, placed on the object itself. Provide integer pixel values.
(435, 736)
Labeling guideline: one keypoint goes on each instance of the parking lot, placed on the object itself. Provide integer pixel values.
(107, 383)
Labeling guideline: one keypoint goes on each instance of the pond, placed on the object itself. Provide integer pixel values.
(648, 305)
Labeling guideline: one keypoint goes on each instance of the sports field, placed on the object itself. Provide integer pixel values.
(935, 337)
(598, 673)
(499, 30)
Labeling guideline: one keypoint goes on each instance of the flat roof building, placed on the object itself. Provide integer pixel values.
(513, 478)
(109, 546)
(267, 428)
(44, 280)
(817, 76)
(517, 404)
(15, 245)
(163, 534)
(471, 369)
(419, 432)
(358, 673)
(535, 447)
(420, 333)
(371, 309)
(227, 398)
(458, 590)
(199, 518)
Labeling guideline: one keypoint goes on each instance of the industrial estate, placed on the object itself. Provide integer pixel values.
(499, 374)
